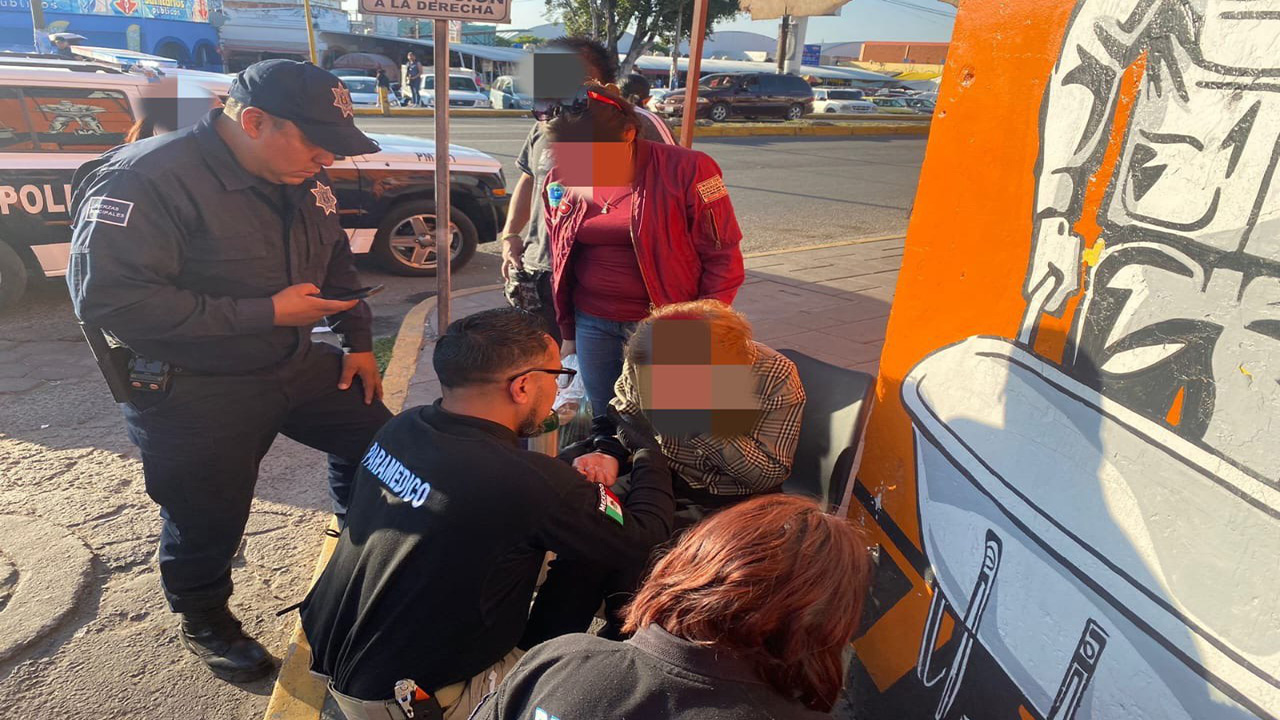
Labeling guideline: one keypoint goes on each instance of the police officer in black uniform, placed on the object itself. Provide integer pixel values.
(209, 252)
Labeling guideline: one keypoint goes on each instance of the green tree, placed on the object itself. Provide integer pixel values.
(607, 20)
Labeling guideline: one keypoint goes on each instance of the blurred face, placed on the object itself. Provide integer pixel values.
(281, 154)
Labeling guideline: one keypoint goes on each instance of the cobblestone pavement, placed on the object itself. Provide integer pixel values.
(65, 459)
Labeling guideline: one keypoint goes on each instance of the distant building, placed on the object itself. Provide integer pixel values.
(479, 33)
(911, 53)
(177, 29)
(733, 45)
(263, 29)
(838, 53)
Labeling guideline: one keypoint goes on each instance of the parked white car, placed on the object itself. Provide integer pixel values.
(506, 94)
(364, 90)
(841, 101)
(463, 92)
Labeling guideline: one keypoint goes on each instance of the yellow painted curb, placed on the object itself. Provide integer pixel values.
(299, 695)
(812, 130)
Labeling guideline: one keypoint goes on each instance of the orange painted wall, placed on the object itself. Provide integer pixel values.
(967, 250)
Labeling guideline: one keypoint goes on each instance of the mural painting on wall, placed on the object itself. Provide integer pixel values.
(1073, 477)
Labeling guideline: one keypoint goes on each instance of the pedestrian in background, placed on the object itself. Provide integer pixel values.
(208, 253)
(748, 618)
(636, 90)
(634, 225)
(413, 77)
(526, 259)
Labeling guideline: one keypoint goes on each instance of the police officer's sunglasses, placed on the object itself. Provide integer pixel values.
(544, 110)
(565, 373)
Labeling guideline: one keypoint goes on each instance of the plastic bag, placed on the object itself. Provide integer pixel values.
(572, 396)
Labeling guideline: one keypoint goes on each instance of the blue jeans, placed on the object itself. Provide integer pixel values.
(600, 344)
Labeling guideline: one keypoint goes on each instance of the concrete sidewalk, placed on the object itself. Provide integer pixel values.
(829, 302)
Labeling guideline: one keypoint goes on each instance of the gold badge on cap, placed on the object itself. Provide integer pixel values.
(342, 101)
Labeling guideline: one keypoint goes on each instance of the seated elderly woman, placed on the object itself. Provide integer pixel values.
(747, 617)
(727, 411)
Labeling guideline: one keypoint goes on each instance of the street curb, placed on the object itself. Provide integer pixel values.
(298, 694)
(915, 128)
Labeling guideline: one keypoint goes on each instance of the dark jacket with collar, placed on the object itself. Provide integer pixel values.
(653, 675)
(447, 528)
(177, 250)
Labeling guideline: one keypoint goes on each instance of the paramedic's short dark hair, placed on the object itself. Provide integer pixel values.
(593, 53)
(489, 345)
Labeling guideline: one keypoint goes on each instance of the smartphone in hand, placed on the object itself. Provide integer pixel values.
(360, 294)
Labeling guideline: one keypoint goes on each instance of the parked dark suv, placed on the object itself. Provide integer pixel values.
(721, 97)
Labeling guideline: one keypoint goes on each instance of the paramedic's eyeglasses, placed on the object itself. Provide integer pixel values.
(565, 372)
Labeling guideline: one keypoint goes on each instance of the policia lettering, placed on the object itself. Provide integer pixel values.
(399, 480)
(34, 199)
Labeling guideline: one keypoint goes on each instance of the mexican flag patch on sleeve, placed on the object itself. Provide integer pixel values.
(609, 504)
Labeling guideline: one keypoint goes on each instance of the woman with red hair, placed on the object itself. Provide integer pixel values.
(747, 617)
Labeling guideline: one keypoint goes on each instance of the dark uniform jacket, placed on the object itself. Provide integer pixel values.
(447, 528)
(652, 675)
(177, 251)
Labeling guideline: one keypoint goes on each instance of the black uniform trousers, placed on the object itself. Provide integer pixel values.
(573, 590)
(202, 443)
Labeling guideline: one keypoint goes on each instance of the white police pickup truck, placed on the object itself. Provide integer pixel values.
(57, 113)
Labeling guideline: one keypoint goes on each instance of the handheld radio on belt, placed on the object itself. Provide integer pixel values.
(417, 703)
(125, 372)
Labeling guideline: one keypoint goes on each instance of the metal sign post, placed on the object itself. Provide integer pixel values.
(444, 229)
(441, 12)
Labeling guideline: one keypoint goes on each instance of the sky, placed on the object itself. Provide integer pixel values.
(859, 20)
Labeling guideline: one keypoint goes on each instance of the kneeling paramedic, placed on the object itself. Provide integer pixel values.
(428, 590)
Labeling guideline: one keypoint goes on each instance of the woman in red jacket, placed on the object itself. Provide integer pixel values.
(633, 225)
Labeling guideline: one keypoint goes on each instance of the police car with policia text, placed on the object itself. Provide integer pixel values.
(57, 113)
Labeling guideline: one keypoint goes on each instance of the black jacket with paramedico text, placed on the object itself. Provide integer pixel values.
(447, 529)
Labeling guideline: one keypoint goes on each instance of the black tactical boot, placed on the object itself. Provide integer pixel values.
(216, 638)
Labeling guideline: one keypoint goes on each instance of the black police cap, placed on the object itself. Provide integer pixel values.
(313, 99)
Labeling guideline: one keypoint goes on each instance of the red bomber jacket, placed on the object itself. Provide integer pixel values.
(685, 234)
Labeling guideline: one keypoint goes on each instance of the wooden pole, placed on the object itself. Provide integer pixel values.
(694, 72)
(444, 229)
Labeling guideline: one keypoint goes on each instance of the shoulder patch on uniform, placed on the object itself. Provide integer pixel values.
(712, 189)
(609, 504)
(108, 210)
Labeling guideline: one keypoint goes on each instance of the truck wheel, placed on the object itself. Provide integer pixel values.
(795, 112)
(13, 277)
(405, 243)
(719, 112)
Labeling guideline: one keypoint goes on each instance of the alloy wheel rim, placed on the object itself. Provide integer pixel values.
(414, 244)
